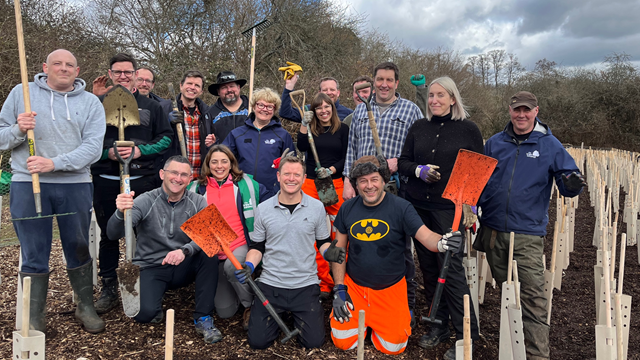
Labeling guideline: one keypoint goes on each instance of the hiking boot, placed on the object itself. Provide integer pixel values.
(435, 336)
(245, 318)
(38, 300)
(81, 280)
(204, 327)
(325, 295)
(414, 321)
(109, 298)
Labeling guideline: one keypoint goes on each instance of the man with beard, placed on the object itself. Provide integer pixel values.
(145, 82)
(231, 109)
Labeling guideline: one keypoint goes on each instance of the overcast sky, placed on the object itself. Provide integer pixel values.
(569, 32)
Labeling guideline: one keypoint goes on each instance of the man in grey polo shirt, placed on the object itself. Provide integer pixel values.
(285, 230)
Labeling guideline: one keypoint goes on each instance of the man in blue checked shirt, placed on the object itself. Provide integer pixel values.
(394, 116)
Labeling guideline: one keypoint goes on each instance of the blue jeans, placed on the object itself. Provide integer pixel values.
(35, 235)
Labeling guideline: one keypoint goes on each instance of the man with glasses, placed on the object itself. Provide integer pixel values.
(145, 82)
(328, 85)
(168, 259)
(231, 109)
(152, 138)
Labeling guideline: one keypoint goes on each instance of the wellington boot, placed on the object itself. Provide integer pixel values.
(38, 300)
(109, 298)
(81, 280)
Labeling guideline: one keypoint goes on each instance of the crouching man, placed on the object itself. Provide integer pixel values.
(285, 230)
(168, 259)
(375, 226)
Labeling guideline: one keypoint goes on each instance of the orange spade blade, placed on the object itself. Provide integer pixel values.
(470, 174)
(203, 227)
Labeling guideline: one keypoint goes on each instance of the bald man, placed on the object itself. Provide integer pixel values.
(69, 125)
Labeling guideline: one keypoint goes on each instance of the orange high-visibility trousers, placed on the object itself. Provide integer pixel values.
(386, 313)
(309, 188)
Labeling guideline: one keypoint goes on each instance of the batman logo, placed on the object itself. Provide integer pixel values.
(369, 229)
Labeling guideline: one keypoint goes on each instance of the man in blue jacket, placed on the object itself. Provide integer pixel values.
(516, 199)
(328, 85)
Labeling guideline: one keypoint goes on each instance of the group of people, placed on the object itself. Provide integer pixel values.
(358, 252)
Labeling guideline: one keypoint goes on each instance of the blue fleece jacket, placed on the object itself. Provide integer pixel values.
(256, 149)
(516, 197)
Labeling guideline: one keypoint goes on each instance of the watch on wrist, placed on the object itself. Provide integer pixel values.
(185, 251)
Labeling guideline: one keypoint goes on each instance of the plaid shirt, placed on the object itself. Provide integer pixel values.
(393, 126)
(192, 139)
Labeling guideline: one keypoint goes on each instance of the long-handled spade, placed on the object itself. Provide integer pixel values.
(470, 174)
(212, 233)
(253, 31)
(31, 139)
(128, 273)
(324, 186)
(179, 130)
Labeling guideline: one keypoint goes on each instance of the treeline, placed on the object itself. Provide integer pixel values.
(596, 106)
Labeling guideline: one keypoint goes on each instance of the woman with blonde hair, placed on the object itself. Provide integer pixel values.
(427, 159)
(261, 139)
(236, 195)
(331, 137)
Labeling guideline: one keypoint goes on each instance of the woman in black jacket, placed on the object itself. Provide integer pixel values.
(427, 158)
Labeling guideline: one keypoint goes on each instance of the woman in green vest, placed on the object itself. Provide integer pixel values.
(236, 195)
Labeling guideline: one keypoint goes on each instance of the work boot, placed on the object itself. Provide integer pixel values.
(204, 327)
(450, 354)
(38, 300)
(109, 297)
(435, 336)
(245, 318)
(81, 280)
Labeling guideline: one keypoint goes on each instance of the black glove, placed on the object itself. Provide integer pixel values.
(334, 253)
(574, 182)
(176, 117)
(451, 241)
(342, 304)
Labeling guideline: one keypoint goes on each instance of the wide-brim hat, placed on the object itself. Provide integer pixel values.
(225, 77)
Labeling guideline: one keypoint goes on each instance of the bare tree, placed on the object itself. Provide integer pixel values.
(496, 58)
(513, 69)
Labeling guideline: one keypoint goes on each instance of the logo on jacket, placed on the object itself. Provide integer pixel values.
(533, 154)
(369, 229)
(270, 141)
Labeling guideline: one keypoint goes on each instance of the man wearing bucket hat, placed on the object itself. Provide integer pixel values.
(516, 199)
(376, 226)
(231, 109)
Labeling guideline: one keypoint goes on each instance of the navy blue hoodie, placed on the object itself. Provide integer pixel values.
(516, 197)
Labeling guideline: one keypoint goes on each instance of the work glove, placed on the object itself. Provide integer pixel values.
(323, 173)
(574, 182)
(335, 254)
(290, 71)
(470, 216)
(428, 173)
(451, 241)
(306, 120)
(418, 80)
(285, 153)
(342, 304)
(245, 273)
(176, 117)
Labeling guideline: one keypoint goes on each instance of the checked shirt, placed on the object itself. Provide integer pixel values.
(192, 139)
(393, 126)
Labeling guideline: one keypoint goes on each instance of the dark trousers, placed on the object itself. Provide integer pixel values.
(104, 204)
(410, 273)
(455, 287)
(156, 280)
(304, 304)
(35, 235)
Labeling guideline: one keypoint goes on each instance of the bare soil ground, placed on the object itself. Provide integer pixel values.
(572, 325)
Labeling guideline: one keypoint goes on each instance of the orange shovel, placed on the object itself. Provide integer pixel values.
(212, 233)
(470, 174)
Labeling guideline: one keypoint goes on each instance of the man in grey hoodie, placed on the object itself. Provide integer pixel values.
(69, 125)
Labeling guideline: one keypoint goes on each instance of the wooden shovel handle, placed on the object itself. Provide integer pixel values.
(300, 107)
(466, 328)
(510, 263)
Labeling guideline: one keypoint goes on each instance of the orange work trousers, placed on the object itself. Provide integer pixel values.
(386, 313)
(309, 188)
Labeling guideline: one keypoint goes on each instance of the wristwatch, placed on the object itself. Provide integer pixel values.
(186, 251)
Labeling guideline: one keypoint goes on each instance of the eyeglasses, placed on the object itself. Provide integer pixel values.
(262, 106)
(176, 174)
(127, 73)
(141, 80)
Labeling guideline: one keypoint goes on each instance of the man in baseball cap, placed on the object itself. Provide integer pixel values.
(231, 109)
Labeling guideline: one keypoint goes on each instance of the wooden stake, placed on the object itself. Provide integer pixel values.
(623, 252)
(361, 329)
(516, 283)
(168, 338)
(509, 266)
(466, 327)
(619, 335)
(26, 308)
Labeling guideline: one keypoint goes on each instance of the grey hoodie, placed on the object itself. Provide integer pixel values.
(69, 130)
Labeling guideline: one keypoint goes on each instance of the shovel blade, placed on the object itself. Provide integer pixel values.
(120, 102)
(326, 191)
(129, 284)
(470, 174)
(205, 227)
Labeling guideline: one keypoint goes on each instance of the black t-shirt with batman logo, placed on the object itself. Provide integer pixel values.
(377, 239)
